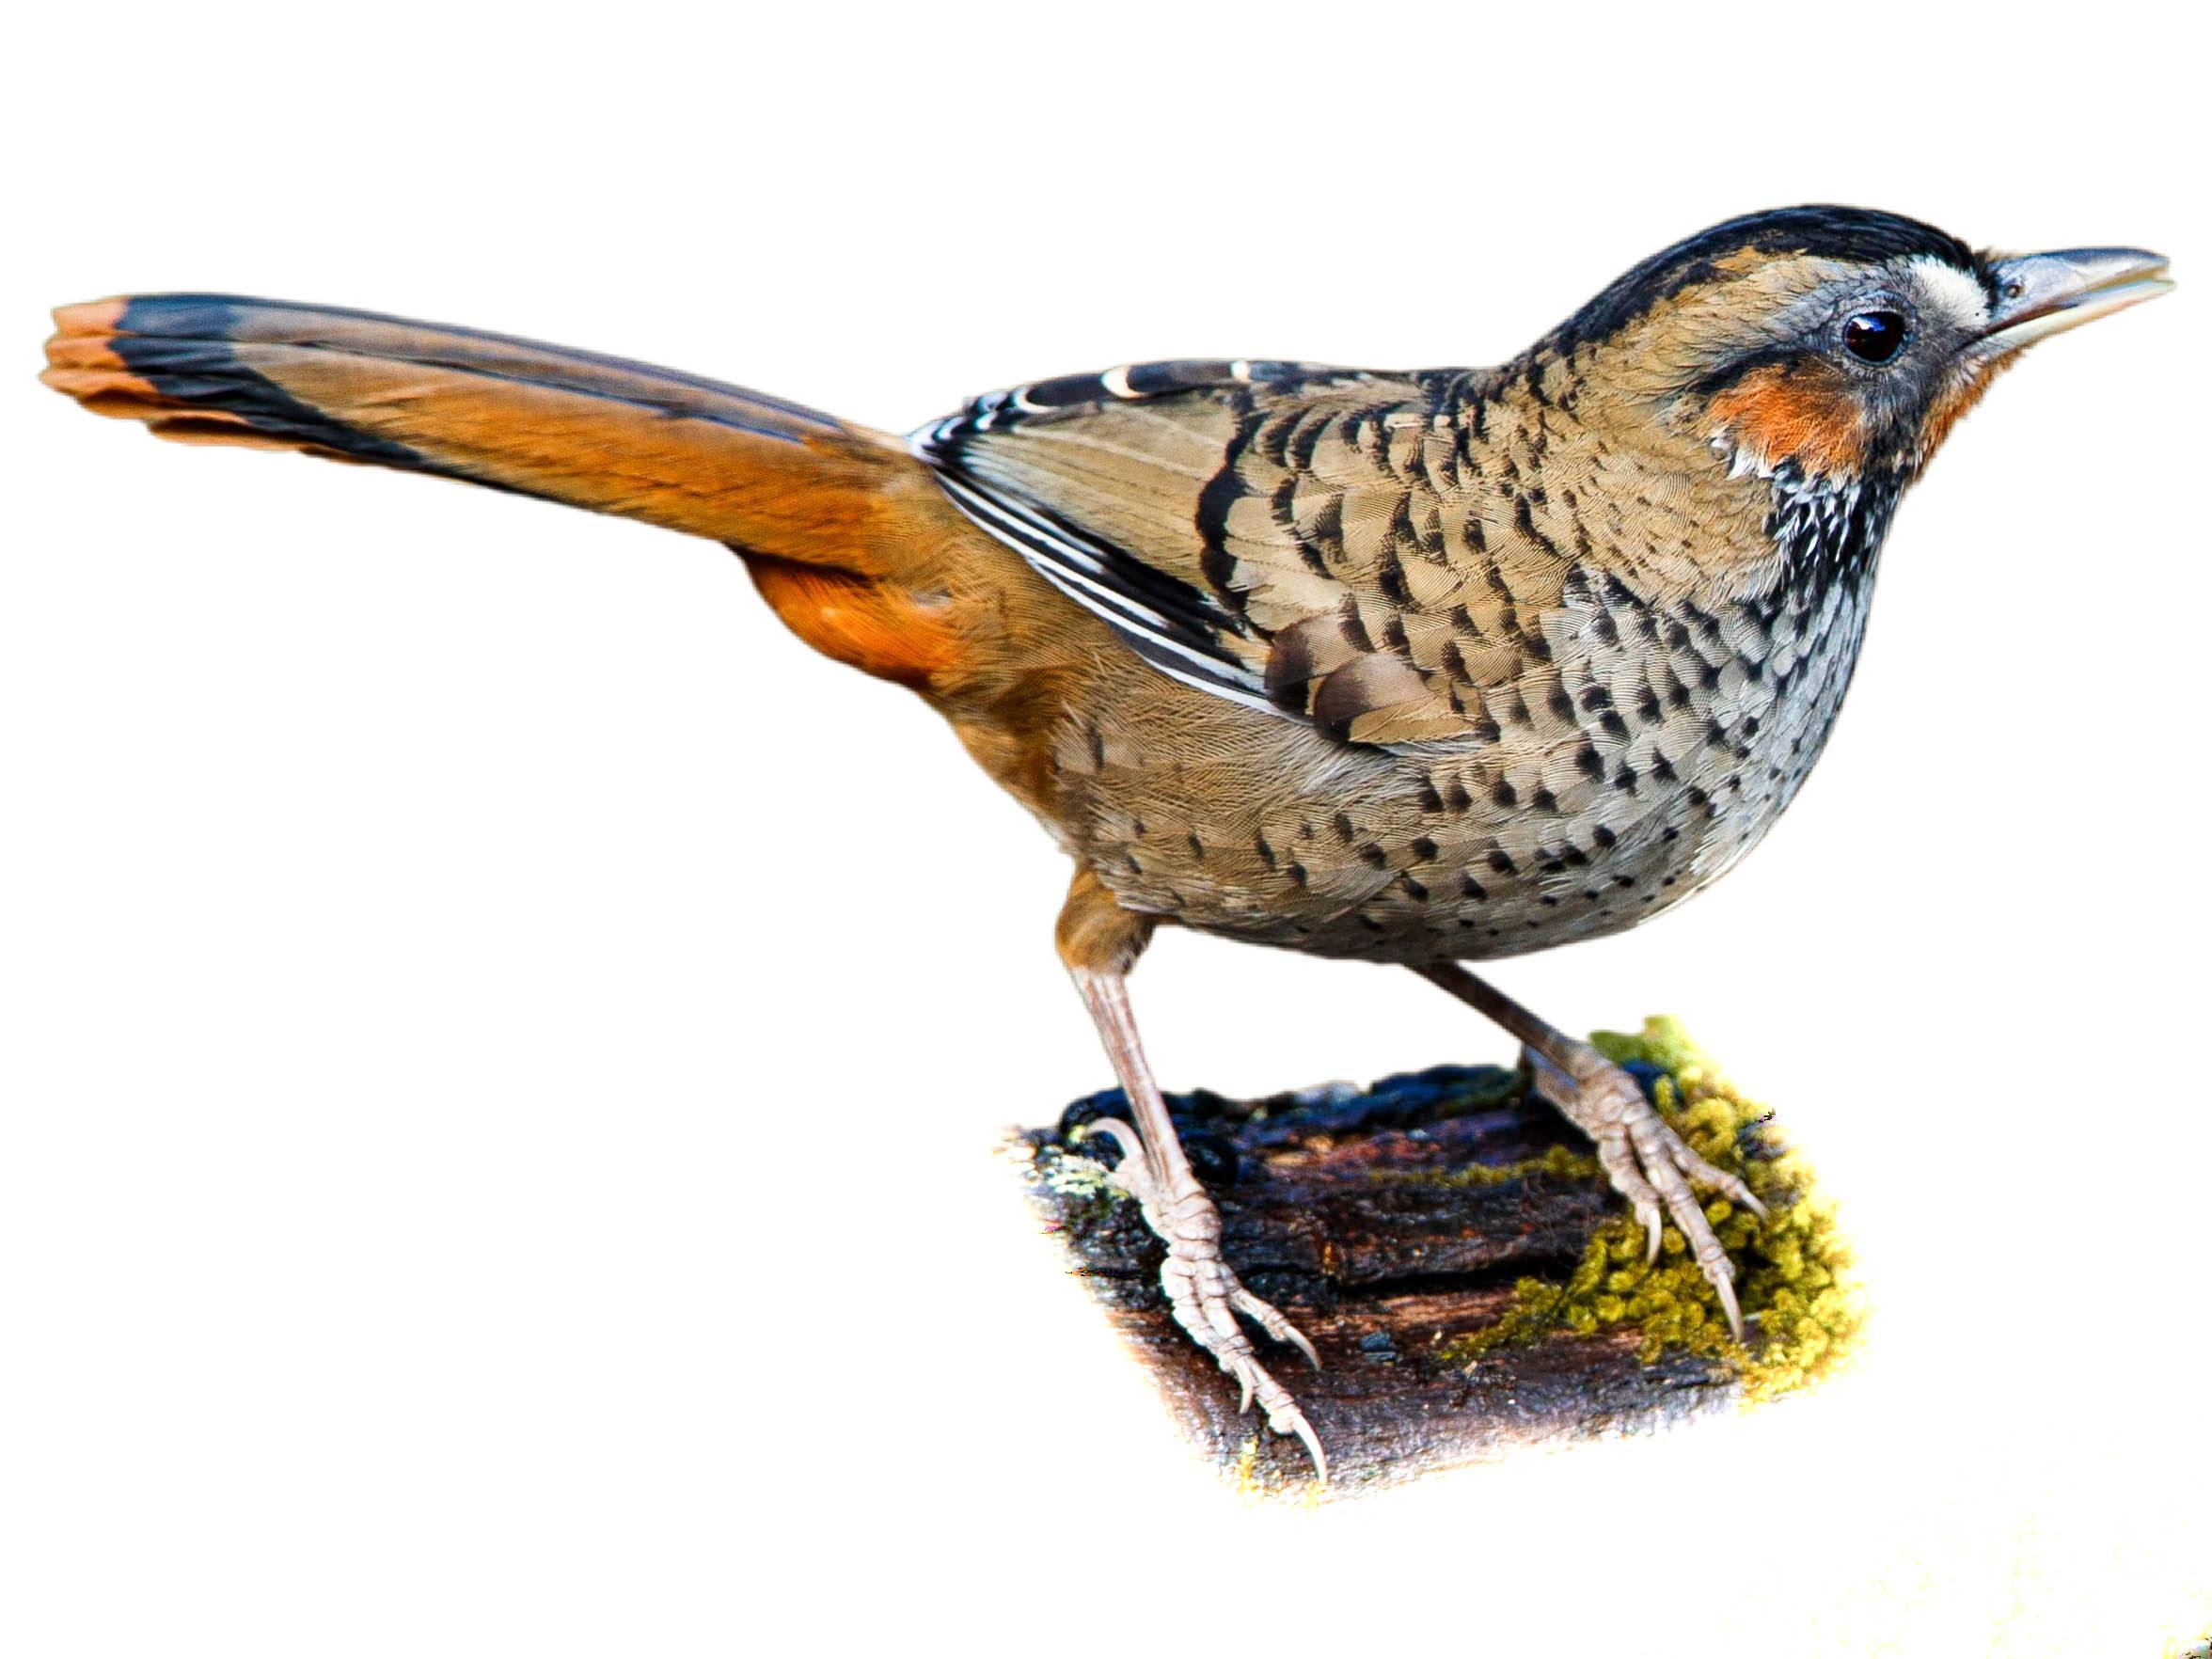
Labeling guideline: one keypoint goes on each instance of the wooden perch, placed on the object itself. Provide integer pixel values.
(1453, 1251)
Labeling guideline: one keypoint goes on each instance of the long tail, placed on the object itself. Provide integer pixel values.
(831, 517)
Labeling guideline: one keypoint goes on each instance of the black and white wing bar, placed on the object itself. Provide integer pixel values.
(1086, 571)
(1168, 623)
(1127, 383)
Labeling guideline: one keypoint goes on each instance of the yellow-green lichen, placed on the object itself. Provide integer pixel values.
(1244, 1471)
(1562, 1162)
(1793, 1269)
(1069, 1175)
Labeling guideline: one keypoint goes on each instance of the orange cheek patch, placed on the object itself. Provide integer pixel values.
(1803, 418)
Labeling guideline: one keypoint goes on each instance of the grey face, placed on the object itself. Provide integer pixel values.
(1860, 369)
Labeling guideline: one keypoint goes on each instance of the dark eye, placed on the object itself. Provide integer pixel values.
(1874, 336)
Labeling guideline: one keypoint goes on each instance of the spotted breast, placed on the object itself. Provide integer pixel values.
(1520, 690)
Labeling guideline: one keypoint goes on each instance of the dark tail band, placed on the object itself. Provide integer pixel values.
(595, 431)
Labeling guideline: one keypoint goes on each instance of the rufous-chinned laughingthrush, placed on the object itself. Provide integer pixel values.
(1418, 667)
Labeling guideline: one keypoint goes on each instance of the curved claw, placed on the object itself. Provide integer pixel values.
(1206, 1305)
(1134, 1174)
(1651, 1167)
(1120, 1133)
(1726, 1289)
(1671, 1167)
(1270, 1320)
(1282, 1415)
(1736, 1192)
(1203, 1295)
(1705, 1174)
(1303, 1430)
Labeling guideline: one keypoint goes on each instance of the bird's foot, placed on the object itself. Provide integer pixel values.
(1204, 1292)
(1647, 1163)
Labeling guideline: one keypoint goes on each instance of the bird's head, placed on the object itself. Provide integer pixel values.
(1837, 343)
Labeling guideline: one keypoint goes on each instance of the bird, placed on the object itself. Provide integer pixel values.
(1432, 668)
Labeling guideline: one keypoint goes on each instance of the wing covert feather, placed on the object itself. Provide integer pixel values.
(1294, 536)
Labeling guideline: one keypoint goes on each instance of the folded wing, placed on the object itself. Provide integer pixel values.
(1291, 535)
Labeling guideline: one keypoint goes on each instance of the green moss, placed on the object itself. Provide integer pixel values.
(1793, 1270)
(1562, 1162)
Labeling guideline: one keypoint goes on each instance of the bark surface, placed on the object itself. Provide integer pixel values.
(1392, 1224)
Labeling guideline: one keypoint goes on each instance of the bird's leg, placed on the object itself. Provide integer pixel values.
(1203, 1292)
(1648, 1163)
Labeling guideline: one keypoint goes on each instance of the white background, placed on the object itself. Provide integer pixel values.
(471, 1040)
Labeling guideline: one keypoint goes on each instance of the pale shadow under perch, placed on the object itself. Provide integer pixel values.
(1445, 1240)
